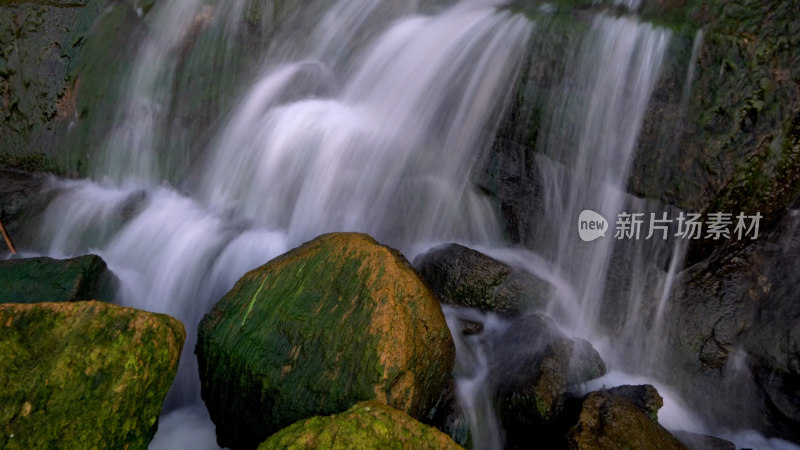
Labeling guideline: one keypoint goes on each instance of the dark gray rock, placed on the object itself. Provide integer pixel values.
(534, 365)
(645, 397)
(461, 276)
(743, 297)
(696, 441)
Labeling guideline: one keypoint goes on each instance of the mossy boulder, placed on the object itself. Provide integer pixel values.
(462, 276)
(610, 422)
(32, 280)
(83, 375)
(367, 425)
(339, 320)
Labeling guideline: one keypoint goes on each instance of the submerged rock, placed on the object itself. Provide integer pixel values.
(607, 421)
(449, 417)
(534, 369)
(34, 280)
(462, 276)
(367, 425)
(703, 442)
(339, 320)
(83, 375)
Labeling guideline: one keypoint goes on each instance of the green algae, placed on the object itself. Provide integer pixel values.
(83, 375)
(334, 322)
(367, 425)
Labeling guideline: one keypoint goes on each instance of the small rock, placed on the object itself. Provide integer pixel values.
(644, 397)
(462, 276)
(608, 422)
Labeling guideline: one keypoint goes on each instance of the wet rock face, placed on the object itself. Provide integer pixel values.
(38, 43)
(461, 276)
(35, 280)
(746, 300)
(84, 375)
(736, 149)
(336, 321)
(367, 425)
(535, 366)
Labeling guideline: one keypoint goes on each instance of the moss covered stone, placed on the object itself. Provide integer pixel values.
(83, 375)
(339, 320)
(367, 425)
(33, 280)
(610, 422)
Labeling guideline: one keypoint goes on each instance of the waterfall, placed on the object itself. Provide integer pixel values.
(370, 116)
(590, 140)
(382, 139)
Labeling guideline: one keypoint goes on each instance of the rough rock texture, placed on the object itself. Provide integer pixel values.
(737, 148)
(16, 190)
(336, 321)
(83, 375)
(462, 276)
(39, 43)
(533, 373)
(644, 397)
(34, 280)
(743, 300)
(367, 425)
(610, 422)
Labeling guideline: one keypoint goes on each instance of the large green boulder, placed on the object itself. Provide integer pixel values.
(367, 425)
(339, 320)
(34, 280)
(83, 375)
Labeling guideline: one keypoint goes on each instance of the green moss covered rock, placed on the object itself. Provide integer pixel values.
(367, 425)
(83, 375)
(339, 320)
(34, 280)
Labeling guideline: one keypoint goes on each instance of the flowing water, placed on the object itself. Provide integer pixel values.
(372, 116)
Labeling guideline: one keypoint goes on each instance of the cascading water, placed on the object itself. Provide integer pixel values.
(364, 115)
(382, 140)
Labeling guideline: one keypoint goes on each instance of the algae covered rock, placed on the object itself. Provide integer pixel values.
(339, 320)
(33, 280)
(607, 421)
(367, 425)
(83, 375)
